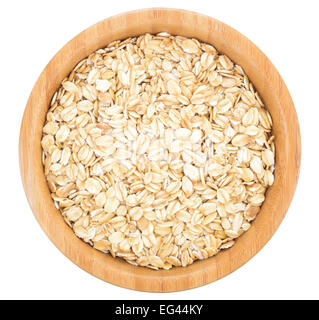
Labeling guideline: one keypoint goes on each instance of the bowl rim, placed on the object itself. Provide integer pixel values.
(116, 271)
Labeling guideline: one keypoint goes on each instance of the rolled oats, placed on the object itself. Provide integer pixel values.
(158, 150)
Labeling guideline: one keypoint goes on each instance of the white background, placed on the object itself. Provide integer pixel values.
(33, 31)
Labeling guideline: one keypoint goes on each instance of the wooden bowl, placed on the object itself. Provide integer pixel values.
(266, 80)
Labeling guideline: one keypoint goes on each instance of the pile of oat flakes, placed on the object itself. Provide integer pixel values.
(158, 150)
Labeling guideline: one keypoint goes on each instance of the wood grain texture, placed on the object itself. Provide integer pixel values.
(266, 80)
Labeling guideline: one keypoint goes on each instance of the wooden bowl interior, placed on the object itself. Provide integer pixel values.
(265, 79)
